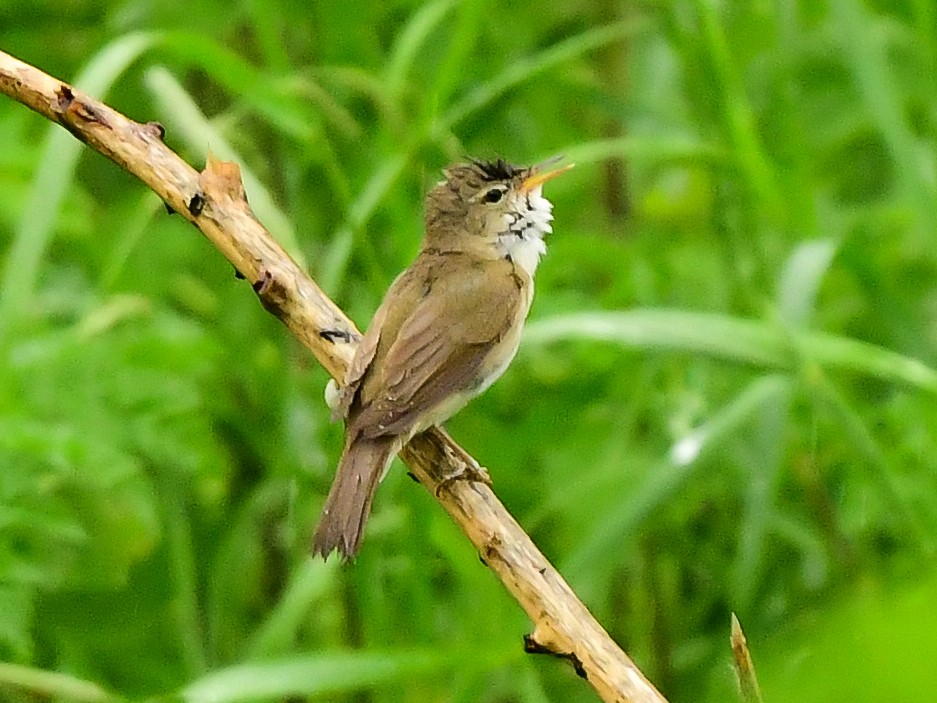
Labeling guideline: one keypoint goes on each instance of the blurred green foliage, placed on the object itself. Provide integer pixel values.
(725, 402)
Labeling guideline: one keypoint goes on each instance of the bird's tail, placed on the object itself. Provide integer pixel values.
(349, 502)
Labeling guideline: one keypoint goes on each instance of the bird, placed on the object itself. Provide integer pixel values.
(447, 328)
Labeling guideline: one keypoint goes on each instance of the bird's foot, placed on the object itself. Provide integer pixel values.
(469, 470)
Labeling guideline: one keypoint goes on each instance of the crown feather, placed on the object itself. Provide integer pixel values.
(499, 170)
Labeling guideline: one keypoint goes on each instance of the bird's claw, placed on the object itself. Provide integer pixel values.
(468, 472)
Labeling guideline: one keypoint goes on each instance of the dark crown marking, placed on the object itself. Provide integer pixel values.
(499, 170)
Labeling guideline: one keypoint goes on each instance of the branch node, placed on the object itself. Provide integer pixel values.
(273, 294)
(221, 181)
(332, 335)
(491, 550)
(196, 205)
(532, 646)
(87, 112)
(155, 129)
(262, 287)
(63, 97)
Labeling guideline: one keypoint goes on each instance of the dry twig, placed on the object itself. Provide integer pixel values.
(749, 690)
(214, 201)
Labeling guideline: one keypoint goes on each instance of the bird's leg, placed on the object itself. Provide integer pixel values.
(470, 470)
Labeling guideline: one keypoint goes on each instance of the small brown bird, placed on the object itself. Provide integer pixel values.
(447, 329)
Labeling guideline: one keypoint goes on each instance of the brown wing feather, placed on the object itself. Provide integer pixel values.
(367, 348)
(432, 359)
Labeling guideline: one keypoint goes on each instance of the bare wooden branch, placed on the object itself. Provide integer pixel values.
(214, 201)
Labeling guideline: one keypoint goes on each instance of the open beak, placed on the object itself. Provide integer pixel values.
(538, 179)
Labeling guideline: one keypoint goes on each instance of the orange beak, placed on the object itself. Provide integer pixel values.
(538, 179)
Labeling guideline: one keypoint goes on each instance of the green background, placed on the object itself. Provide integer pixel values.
(725, 399)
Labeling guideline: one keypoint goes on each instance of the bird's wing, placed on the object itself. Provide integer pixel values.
(441, 345)
(366, 350)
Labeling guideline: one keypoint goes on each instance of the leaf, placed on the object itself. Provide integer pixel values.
(744, 341)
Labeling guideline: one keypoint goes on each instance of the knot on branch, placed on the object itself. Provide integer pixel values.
(532, 646)
(273, 295)
(71, 111)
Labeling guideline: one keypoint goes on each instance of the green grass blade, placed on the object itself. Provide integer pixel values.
(182, 575)
(265, 20)
(867, 57)
(801, 277)
(129, 236)
(739, 115)
(884, 473)
(262, 91)
(201, 137)
(665, 479)
(332, 271)
(709, 334)
(744, 341)
(308, 584)
(54, 174)
(525, 69)
(411, 41)
(763, 460)
(51, 684)
(320, 674)
(659, 150)
(458, 50)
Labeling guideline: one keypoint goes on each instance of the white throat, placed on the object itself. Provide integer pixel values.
(522, 237)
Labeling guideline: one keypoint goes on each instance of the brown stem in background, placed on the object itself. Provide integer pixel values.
(749, 690)
(613, 60)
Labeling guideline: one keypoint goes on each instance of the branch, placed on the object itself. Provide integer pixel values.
(214, 201)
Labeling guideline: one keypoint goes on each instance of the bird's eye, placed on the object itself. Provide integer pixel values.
(493, 195)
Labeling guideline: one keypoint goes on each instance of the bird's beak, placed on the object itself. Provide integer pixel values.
(538, 179)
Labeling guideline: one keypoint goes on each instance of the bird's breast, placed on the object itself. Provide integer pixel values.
(524, 250)
(503, 350)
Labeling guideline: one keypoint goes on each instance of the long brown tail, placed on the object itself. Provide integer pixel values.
(349, 502)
